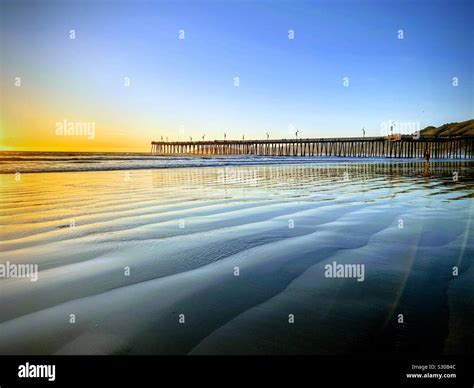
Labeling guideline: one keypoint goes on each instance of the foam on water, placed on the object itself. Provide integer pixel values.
(29, 162)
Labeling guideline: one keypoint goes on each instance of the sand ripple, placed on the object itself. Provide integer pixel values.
(183, 232)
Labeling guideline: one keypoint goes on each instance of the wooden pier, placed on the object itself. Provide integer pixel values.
(396, 146)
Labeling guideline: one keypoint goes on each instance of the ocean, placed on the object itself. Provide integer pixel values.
(29, 162)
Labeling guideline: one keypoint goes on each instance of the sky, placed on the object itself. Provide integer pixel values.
(130, 76)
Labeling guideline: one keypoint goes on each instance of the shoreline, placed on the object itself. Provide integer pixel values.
(209, 161)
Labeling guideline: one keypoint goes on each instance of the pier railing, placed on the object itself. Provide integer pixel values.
(402, 146)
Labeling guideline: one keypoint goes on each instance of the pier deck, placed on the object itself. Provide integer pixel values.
(397, 146)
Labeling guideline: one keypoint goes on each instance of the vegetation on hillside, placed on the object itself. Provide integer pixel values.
(464, 128)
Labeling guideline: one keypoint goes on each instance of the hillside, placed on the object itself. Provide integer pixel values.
(464, 128)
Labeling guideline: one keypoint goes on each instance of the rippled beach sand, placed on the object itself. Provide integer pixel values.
(183, 233)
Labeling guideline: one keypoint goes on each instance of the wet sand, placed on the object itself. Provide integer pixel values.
(182, 232)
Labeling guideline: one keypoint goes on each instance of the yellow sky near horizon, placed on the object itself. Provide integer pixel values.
(28, 125)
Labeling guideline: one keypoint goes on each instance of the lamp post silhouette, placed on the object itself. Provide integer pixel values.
(203, 136)
(296, 133)
(268, 136)
(363, 132)
(225, 135)
(243, 137)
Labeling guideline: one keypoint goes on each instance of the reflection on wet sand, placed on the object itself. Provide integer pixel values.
(311, 175)
(183, 232)
(427, 169)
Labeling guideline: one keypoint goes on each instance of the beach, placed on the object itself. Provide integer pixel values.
(227, 256)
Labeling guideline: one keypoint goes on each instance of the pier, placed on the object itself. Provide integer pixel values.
(395, 146)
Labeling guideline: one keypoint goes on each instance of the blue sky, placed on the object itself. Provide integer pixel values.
(181, 88)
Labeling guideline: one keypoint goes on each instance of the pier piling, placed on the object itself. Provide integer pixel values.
(396, 146)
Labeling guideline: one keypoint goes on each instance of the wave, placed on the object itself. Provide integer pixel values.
(11, 163)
